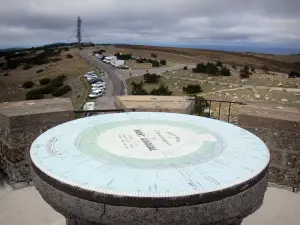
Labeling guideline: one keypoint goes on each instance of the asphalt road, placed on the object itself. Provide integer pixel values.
(112, 73)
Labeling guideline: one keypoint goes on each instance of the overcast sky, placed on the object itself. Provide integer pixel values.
(35, 22)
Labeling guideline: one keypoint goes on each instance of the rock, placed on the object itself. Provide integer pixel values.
(284, 100)
(209, 78)
(227, 94)
(230, 86)
(273, 100)
(173, 72)
(278, 107)
(267, 98)
(214, 89)
(234, 94)
(257, 96)
(279, 85)
(235, 97)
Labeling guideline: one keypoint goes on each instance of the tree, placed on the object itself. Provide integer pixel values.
(161, 90)
(69, 56)
(200, 105)
(265, 69)
(219, 64)
(138, 89)
(225, 71)
(163, 62)
(294, 74)
(192, 89)
(151, 78)
(27, 84)
(245, 73)
(155, 63)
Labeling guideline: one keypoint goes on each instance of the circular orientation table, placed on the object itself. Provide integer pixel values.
(150, 168)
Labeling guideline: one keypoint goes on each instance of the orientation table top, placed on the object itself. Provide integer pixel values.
(149, 155)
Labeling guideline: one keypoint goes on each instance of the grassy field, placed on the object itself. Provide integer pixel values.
(11, 85)
(186, 55)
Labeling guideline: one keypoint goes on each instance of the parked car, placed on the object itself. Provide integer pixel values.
(95, 80)
(99, 86)
(100, 82)
(90, 77)
(96, 93)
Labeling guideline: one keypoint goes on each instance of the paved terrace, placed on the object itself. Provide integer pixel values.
(26, 207)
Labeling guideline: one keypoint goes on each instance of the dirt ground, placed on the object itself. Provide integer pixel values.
(283, 63)
(259, 78)
(11, 85)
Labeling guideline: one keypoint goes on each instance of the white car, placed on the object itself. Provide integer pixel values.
(92, 77)
(98, 83)
(98, 88)
(96, 93)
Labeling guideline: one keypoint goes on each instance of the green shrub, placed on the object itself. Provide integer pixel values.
(155, 63)
(200, 105)
(138, 89)
(162, 90)
(252, 70)
(58, 81)
(234, 67)
(6, 74)
(34, 94)
(27, 67)
(294, 74)
(153, 55)
(192, 89)
(185, 68)
(44, 81)
(69, 56)
(163, 62)
(245, 73)
(27, 84)
(39, 71)
(151, 78)
(61, 91)
(48, 89)
(225, 71)
(66, 49)
(219, 64)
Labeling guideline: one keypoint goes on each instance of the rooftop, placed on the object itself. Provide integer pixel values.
(157, 102)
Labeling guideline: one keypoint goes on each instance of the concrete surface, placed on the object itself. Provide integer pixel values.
(26, 207)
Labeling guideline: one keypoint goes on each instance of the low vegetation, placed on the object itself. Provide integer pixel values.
(244, 72)
(151, 78)
(138, 89)
(27, 84)
(192, 89)
(55, 87)
(69, 56)
(122, 56)
(294, 74)
(212, 69)
(44, 81)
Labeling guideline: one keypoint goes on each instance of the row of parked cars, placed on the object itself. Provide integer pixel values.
(98, 86)
(113, 60)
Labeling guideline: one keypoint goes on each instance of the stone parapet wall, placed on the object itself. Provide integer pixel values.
(279, 128)
(20, 124)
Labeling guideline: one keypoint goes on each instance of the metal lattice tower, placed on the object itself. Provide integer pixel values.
(78, 35)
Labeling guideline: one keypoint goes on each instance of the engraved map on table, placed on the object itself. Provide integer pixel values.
(149, 154)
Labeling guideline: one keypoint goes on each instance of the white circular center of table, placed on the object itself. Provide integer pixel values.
(149, 154)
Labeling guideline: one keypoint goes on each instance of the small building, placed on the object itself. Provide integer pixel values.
(148, 103)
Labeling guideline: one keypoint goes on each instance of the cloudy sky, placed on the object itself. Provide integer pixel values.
(172, 22)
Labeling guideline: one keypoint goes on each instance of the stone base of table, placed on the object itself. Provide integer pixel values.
(77, 221)
(228, 211)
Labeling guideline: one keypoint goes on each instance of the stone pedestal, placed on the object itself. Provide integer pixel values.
(150, 168)
(279, 127)
(20, 124)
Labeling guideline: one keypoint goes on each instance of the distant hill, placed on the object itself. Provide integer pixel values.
(11, 49)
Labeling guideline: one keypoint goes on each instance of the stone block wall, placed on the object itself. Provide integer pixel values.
(279, 128)
(20, 124)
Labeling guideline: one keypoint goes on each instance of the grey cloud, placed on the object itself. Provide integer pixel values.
(182, 21)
